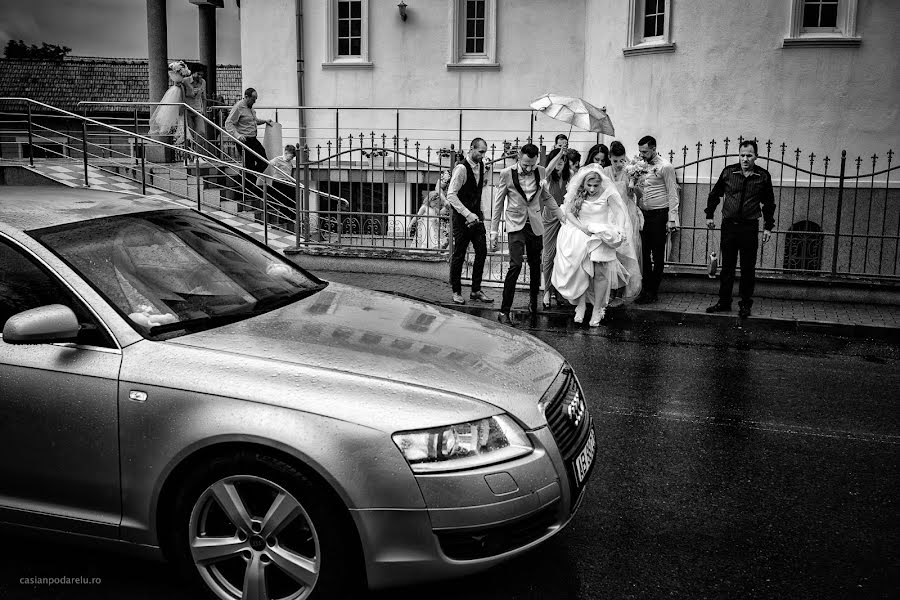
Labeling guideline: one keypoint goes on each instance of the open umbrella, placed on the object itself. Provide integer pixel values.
(576, 112)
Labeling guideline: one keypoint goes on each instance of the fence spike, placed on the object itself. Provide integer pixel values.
(826, 161)
(797, 153)
(671, 156)
(726, 140)
(858, 162)
(769, 146)
(890, 155)
(812, 158)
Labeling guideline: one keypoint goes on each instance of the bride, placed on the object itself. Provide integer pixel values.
(166, 118)
(588, 263)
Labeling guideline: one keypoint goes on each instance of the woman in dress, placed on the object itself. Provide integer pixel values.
(599, 154)
(630, 195)
(427, 222)
(441, 188)
(558, 178)
(166, 118)
(587, 266)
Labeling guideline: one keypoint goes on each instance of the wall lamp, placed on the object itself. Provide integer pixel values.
(402, 7)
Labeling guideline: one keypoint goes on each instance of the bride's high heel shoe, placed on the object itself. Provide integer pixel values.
(579, 312)
(545, 301)
(598, 316)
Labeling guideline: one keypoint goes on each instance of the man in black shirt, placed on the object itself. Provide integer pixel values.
(747, 192)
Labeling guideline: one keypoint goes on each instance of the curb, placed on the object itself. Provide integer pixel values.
(631, 314)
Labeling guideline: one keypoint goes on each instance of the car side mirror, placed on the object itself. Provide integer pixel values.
(42, 325)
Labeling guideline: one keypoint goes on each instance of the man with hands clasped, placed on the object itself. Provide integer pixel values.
(748, 194)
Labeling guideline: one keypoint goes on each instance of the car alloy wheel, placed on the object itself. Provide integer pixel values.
(253, 527)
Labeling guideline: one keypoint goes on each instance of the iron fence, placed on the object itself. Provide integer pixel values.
(364, 188)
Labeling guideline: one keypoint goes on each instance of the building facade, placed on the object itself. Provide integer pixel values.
(813, 77)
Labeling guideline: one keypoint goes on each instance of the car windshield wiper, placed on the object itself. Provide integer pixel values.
(205, 322)
(261, 306)
(278, 300)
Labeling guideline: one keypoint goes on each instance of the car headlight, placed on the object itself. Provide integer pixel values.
(464, 445)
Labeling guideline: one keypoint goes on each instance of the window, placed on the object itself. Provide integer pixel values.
(649, 24)
(822, 23)
(820, 15)
(654, 19)
(349, 22)
(368, 206)
(474, 27)
(474, 36)
(348, 34)
(24, 285)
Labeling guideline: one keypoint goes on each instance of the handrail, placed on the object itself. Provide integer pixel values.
(221, 163)
(189, 108)
(417, 108)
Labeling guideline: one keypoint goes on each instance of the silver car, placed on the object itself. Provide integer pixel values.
(169, 383)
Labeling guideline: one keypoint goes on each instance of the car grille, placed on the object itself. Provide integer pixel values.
(569, 437)
(491, 541)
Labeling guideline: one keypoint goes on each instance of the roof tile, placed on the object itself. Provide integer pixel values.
(65, 83)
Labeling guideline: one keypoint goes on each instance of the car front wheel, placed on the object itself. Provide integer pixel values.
(252, 527)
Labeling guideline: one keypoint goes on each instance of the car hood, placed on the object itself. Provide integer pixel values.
(380, 336)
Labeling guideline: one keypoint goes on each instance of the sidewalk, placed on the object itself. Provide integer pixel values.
(834, 318)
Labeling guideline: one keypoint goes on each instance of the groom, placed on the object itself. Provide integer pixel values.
(520, 186)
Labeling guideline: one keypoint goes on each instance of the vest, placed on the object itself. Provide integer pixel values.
(470, 192)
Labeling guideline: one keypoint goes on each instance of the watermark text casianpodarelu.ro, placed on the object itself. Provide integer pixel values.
(64, 580)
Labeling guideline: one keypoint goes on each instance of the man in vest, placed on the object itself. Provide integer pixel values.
(520, 186)
(464, 195)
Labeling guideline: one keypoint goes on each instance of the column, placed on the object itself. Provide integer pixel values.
(157, 49)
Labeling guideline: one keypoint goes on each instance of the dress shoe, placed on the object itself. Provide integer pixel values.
(545, 301)
(480, 297)
(743, 310)
(645, 298)
(718, 307)
(616, 303)
(597, 317)
(507, 319)
(458, 299)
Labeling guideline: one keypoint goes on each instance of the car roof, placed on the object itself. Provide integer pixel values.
(35, 207)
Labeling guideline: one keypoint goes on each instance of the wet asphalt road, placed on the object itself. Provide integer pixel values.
(732, 463)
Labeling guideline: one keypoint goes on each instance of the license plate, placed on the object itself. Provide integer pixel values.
(581, 464)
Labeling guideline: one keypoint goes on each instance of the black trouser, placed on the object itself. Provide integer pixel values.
(282, 201)
(523, 242)
(463, 235)
(653, 245)
(743, 237)
(253, 163)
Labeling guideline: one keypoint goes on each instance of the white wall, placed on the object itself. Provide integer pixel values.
(539, 47)
(730, 76)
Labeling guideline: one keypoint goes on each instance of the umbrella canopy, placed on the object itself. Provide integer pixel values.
(576, 112)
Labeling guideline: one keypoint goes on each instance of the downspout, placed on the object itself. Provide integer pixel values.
(301, 95)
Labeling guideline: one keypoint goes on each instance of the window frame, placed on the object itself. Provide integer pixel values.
(459, 58)
(637, 43)
(106, 342)
(843, 35)
(335, 60)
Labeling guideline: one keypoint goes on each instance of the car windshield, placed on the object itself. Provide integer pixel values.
(176, 271)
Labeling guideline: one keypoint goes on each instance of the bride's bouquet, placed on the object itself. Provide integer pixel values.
(636, 170)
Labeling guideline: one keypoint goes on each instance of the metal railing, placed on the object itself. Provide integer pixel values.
(213, 182)
(362, 190)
